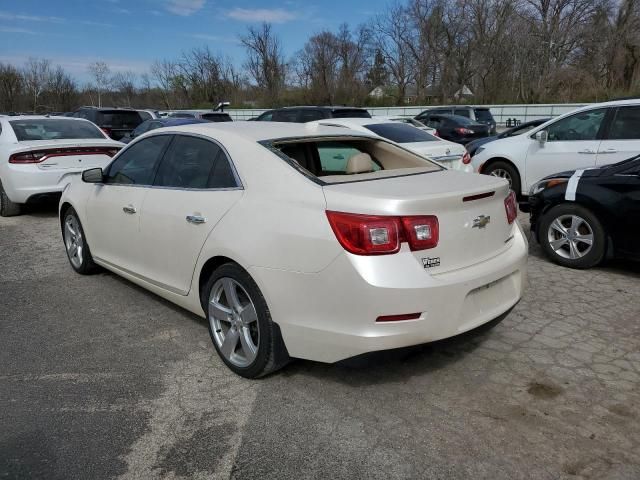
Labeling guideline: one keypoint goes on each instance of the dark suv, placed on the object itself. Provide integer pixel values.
(115, 122)
(477, 114)
(309, 114)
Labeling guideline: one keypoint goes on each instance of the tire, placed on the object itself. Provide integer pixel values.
(507, 171)
(564, 232)
(7, 207)
(75, 243)
(249, 344)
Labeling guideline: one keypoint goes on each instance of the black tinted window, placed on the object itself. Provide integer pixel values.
(285, 116)
(216, 117)
(463, 112)
(145, 115)
(626, 124)
(401, 132)
(136, 165)
(119, 119)
(310, 115)
(351, 113)
(265, 117)
(483, 114)
(194, 162)
(54, 129)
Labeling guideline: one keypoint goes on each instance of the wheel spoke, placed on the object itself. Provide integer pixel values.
(230, 342)
(70, 229)
(573, 251)
(248, 314)
(246, 343)
(219, 311)
(556, 225)
(575, 223)
(586, 239)
(73, 251)
(231, 293)
(557, 244)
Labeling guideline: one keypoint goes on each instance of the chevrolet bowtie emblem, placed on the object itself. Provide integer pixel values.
(481, 221)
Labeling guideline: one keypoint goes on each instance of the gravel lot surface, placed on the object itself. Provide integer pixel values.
(101, 379)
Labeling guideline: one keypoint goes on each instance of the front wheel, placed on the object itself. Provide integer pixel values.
(572, 236)
(240, 324)
(75, 243)
(507, 171)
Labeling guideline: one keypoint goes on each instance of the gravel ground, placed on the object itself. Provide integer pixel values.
(101, 379)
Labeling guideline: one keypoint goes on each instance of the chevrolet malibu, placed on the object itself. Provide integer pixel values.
(288, 253)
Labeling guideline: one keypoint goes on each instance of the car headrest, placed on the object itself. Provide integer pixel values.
(360, 163)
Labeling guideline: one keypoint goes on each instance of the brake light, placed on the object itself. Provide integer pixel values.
(40, 156)
(382, 235)
(466, 158)
(511, 207)
(464, 131)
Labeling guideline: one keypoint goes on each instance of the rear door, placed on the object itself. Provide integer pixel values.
(113, 208)
(622, 140)
(573, 143)
(193, 189)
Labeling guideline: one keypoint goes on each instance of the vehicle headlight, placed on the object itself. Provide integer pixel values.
(547, 183)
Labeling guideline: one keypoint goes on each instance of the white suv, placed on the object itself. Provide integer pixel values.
(598, 134)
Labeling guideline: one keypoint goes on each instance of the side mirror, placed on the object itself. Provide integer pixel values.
(93, 175)
(542, 136)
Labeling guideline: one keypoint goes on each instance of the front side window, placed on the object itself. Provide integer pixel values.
(265, 117)
(54, 129)
(626, 124)
(401, 132)
(193, 162)
(290, 116)
(137, 164)
(581, 126)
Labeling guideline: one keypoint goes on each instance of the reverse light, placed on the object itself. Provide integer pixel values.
(511, 207)
(466, 158)
(382, 235)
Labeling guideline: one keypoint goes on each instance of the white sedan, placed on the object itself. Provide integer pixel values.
(39, 155)
(449, 154)
(290, 253)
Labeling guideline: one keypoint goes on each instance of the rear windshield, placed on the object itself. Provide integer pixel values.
(119, 119)
(216, 117)
(350, 113)
(458, 119)
(54, 129)
(483, 114)
(401, 132)
(337, 159)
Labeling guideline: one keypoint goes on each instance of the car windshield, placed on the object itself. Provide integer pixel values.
(401, 132)
(350, 113)
(459, 120)
(217, 117)
(483, 114)
(119, 119)
(54, 129)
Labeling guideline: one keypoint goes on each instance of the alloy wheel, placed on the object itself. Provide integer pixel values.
(73, 241)
(502, 173)
(234, 322)
(570, 236)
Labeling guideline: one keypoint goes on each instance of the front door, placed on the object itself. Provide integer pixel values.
(194, 187)
(113, 207)
(573, 143)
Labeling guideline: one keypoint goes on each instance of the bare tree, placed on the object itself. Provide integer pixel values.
(125, 83)
(62, 88)
(101, 74)
(36, 77)
(11, 84)
(265, 61)
(164, 73)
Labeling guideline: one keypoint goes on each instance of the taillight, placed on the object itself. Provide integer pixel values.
(435, 133)
(382, 235)
(511, 207)
(466, 158)
(107, 131)
(41, 155)
(464, 131)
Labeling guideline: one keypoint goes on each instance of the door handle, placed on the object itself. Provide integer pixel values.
(130, 209)
(587, 151)
(196, 219)
(609, 150)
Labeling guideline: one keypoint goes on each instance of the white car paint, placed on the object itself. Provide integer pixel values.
(53, 173)
(448, 154)
(413, 122)
(274, 225)
(535, 160)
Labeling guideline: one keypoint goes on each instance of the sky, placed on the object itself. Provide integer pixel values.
(131, 34)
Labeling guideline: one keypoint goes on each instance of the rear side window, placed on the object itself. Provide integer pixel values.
(463, 112)
(626, 124)
(310, 115)
(401, 132)
(145, 115)
(290, 116)
(351, 113)
(54, 129)
(483, 114)
(119, 119)
(137, 164)
(216, 117)
(194, 162)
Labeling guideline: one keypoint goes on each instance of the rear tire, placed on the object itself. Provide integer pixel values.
(508, 172)
(240, 324)
(75, 243)
(564, 233)
(7, 207)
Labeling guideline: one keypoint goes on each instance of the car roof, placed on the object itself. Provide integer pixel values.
(40, 117)
(259, 131)
(354, 121)
(319, 107)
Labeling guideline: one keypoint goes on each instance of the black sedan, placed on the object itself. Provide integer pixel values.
(581, 217)
(456, 128)
(472, 147)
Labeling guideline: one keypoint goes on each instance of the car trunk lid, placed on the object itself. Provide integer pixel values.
(65, 155)
(470, 208)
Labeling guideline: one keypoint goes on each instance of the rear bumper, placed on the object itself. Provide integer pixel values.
(331, 315)
(24, 182)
